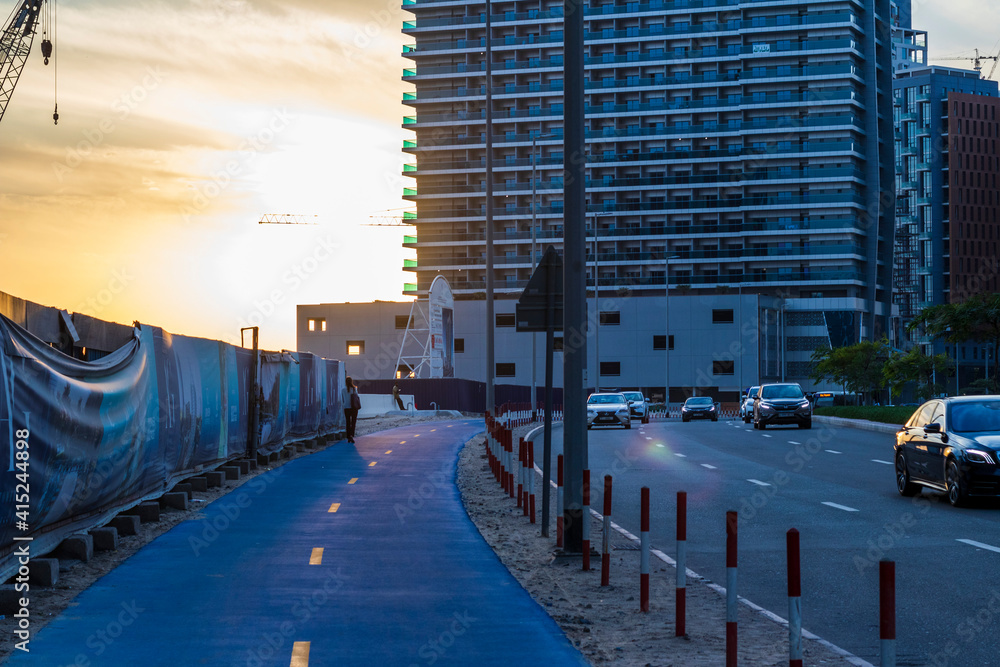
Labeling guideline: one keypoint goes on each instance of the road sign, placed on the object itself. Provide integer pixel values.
(541, 303)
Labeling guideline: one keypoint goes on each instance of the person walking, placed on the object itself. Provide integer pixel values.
(395, 395)
(352, 403)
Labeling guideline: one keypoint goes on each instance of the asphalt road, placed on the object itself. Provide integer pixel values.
(836, 486)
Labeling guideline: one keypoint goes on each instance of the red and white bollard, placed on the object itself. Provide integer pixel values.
(681, 595)
(531, 480)
(794, 600)
(520, 473)
(510, 459)
(887, 612)
(644, 550)
(585, 516)
(731, 599)
(606, 536)
(559, 501)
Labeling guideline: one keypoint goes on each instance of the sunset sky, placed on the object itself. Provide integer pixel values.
(182, 123)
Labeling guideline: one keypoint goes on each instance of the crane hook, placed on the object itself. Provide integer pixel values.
(55, 115)
(46, 50)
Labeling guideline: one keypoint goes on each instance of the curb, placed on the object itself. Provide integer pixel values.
(861, 424)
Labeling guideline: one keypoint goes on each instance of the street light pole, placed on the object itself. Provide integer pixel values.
(666, 340)
(534, 335)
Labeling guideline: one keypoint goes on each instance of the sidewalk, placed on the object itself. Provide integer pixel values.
(356, 555)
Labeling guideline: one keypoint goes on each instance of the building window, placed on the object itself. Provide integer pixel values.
(505, 370)
(402, 321)
(355, 347)
(723, 367)
(611, 368)
(506, 320)
(459, 345)
(557, 343)
(722, 316)
(611, 317)
(660, 340)
(317, 324)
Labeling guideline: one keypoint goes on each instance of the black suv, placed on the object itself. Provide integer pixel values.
(951, 445)
(782, 403)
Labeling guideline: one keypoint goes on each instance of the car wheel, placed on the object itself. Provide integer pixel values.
(956, 486)
(684, 420)
(628, 425)
(806, 424)
(761, 425)
(588, 427)
(903, 483)
(715, 419)
(747, 419)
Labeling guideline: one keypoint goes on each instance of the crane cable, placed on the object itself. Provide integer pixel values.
(49, 50)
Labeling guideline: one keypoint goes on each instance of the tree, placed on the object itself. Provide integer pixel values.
(858, 368)
(975, 319)
(915, 366)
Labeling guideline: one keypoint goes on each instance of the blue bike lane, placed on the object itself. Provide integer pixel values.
(356, 555)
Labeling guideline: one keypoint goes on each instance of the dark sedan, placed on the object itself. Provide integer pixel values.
(699, 407)
(951, 445)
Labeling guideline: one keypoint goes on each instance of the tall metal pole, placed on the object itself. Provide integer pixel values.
(597, 320)
(490, 318)
(534, 335)
(574, 278)
(739, 332)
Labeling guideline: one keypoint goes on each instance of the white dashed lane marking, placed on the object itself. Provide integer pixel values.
(792, 442)
(683, 456)
(834, 451)
(980, 545)
(758, 482)
(888, 463)
(710, 467)
(841, 507)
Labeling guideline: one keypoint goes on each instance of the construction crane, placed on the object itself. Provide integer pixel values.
(977, 62)
(285, 219)
(393, 217)
(15, 45)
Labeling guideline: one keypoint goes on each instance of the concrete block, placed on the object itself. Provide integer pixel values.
(273, 457)
(105, 539)
(185, 488)
(80, 547)
(286, 452)
(198, 484)
(299, 447)
(43, 571)
(262, 459)
(231, 472)
(215, 478)
(309, 444)
(125, 524)
(176, 499)
(253, 463)
(147, 512)
(244, 466)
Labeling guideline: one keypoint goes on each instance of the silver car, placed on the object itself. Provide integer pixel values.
(746, 405)
(637, 405)
(608, 410)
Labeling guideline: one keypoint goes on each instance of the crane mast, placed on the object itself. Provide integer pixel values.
(15, 46)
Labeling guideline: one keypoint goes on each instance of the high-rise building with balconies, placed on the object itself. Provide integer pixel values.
(736, 149)
(947, 195)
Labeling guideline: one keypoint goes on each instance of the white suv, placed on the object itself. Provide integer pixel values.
(746, 405)
(637, 405)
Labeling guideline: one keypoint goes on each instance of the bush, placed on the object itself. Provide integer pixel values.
(885, 414)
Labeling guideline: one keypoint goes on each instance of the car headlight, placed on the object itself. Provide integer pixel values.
(711, 407)
(591, 413)
(804, 403)
(622, 411)
(978, 456)
(765, 404)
